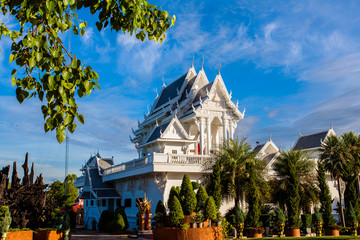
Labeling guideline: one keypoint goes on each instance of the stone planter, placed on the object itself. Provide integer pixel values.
(50, 235)
(23, 235)
(192, 225)
(332, 232)
(199, 224)
(292, 232)
(254, 235)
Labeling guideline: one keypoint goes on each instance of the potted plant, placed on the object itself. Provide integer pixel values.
(210, 210)
(192, 221)
(160, 213)
(306, 220)
(238, 219)
(352, 220)
(333, 230)
(318, 222)
(199, 218)
(5, 221)
(279, 221)
(254, 232)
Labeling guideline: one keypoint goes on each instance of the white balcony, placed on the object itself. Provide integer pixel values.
(157, 162)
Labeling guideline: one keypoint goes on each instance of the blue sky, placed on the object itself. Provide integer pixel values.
(294, 66)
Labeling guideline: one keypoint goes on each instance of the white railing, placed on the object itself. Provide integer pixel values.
(158, 158)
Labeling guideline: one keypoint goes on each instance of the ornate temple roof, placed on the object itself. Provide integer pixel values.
(310, 141)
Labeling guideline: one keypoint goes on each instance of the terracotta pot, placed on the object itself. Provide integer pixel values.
(332, 232)
(295, 232)
(49, 235)
(23, 235)
(254, 235)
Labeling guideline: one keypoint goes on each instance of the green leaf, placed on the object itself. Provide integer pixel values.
(68, 85)
(72, 2)
(51, 82)
(82, 32)
(80, 117)
(13, 81)
(13, 72)
(32, 62)
(83, 25)
(66, 2)
(66, 74)
(72, 102)
(60, 136)
(68, 119)
(99, 26)
(12, 57)
(75, 30)
(38, 56)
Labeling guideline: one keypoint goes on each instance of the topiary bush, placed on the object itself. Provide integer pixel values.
(279, 216)
(160, 212)
(210, 209)
(195, 185)
(105, 221)
(235, 215)
(119, 221)
(317, 217)
(176, 215)
(201, 197)
(5, 219)
(173, 192)
(187, 196)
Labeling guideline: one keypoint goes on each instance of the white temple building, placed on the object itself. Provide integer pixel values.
(189, 120)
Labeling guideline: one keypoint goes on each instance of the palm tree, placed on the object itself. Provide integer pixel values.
(333, 158)
(233, 157)
(294, 173)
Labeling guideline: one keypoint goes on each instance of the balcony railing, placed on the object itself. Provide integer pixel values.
(158, 158)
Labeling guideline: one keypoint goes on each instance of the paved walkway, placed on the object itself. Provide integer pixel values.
(87, 234)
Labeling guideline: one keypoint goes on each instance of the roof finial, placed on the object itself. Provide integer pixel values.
(331, 126)
(202, 65)
(164, 85)
(157, 95)
(192, 64)
(270, 137)
(299, 132)
(219, 67)
(156, 122)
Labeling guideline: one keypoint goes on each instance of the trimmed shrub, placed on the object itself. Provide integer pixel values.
(187, 196)
(253, 215)
(173, 192)
(306, 220)
(160, 211)
(279, 216)
(317, 217)
(195, 185)
(214, 188)
(210, 209)
(176, 215)
(325, 197)
(235, 215)
(201, 197)
(120, 221)
(5, 219)
(105, 221)
(350, 214)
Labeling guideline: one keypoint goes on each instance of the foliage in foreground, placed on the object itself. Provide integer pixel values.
(48, 70)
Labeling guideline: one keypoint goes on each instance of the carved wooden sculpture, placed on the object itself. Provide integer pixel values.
(27, 200)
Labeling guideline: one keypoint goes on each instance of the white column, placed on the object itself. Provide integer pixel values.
(208, 135)
(231, 129)
(224, 129)
(202, 132)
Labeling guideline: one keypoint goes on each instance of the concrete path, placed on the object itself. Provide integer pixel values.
(87, 234)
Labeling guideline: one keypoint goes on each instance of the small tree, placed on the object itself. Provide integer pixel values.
(210, 209)
(253, 215)
(105, 221)
(5, 219)
(160, 211)
(201, 197)
(214, 187)
(325, 197)
(120, 221)
(195, 185)
(176, 215)
(187, 196)
(173, 192)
